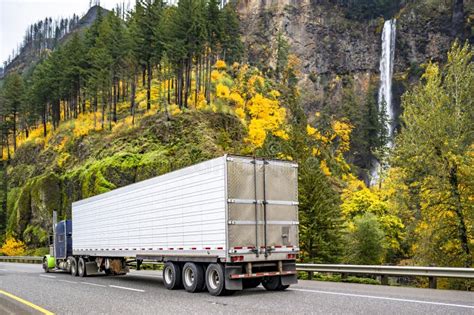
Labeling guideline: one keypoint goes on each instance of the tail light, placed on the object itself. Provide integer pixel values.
(236, 258)
(291, 256)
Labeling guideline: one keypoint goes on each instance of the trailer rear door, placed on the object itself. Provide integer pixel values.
(262, 206)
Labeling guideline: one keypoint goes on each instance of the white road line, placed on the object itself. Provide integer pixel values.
(68, 281)
(135, 275)
(46, 276)
(94, 284)
(125, 288)
(385, 298)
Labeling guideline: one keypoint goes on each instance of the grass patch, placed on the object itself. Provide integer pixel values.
(338, 278)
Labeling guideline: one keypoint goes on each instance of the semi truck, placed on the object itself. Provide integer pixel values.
(221, 225)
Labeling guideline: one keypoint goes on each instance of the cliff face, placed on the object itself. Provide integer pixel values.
(340, 54)
(329, 43)
(320, 35)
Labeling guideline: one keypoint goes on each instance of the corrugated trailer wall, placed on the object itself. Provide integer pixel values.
(265, 191)
(181, 211)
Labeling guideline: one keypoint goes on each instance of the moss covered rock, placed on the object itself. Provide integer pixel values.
(45, 198)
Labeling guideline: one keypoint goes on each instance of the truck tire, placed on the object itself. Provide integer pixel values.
(73, 262)
(69, 263)
(45, 264)
(172, 276)
(193, 277)
(215, 280)
(81, 267)
(273, 284)
(251, 283)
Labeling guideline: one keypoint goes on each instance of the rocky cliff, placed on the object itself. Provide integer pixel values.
(340, 54)
(328, 43)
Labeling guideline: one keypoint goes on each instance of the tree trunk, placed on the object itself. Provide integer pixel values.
(104, 103)
(45, 131)
(148, 87)
(8, 146)
(124, 91)
(208, 79)
(115, 96)
(14, 131)
(169, 90)
(462, 230)
(84, 101)
(132, 97)
(118, 91)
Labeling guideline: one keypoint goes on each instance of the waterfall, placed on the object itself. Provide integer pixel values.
(385, 89)
(386, 74)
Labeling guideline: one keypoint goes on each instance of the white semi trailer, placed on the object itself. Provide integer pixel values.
(225, 224)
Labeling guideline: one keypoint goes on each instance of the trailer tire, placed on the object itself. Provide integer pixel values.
(251, 283)
(215, 280)
(172, 276)
(273, 284)
(81, 267)
(73, 263)
(193, 277)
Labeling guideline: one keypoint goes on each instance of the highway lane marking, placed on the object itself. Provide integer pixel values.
(54, 277)
(68, 281)
(27, 303)
(153, 276)
(94, 284)
(126, 288)
(385, 298)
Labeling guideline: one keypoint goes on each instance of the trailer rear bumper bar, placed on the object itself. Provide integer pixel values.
(263, 274)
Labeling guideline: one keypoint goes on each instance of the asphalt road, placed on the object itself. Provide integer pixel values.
(142, 292)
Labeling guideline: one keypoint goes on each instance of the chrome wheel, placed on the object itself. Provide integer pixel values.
(168, 275)
(189, 277)
(214, 280)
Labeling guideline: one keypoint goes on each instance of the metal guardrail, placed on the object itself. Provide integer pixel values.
(385, 271)
(22, 259)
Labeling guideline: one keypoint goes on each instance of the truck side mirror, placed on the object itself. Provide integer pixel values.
(51, 240)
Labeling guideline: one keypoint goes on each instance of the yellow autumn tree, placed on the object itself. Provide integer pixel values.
(13, 247)
(266, 116)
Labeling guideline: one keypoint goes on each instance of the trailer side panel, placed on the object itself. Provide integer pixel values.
(182, 213)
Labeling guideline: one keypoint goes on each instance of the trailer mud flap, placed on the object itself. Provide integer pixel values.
(91, 268)
(233, 284)
(289, 279)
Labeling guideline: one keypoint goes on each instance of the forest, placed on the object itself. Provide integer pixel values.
(168, 86)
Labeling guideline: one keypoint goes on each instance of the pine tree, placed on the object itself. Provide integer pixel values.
(13, 98)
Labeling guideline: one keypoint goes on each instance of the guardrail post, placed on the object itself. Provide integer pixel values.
(310, 275)
(433, 282)
(384, 280)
